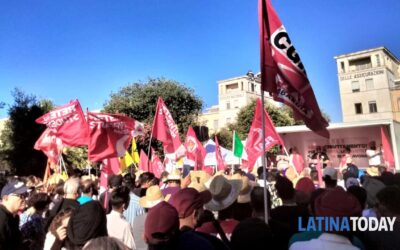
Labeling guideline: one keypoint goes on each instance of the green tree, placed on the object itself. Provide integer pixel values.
(225, 137)
(139, 100)
(20, 134)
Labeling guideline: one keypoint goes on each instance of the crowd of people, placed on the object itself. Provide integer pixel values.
(197, 211)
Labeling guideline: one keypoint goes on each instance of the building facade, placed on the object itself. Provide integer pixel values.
(233, 94)
(369, 85)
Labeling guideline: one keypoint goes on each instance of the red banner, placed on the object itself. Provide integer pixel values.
(194, 149)
(68, 122)
(254, 145)
(110, 135)
(165, 130)
(387, 150)
(50, 144)
(156, 166)
(109, 167)
(282, 71)
(144, 161)
(220, 160)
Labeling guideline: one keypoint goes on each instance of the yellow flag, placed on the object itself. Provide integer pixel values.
(125, 161)
(135, 153)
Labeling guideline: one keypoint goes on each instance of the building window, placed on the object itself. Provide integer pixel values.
(342, 67)
(358, 107)
(215, 124)
(369, 84)
(372, 107)
(360, 64)
(378, 61)
(235, 104)
(228, 105)
(232, 86)
(355, 86)
(241, 85)
(252, 87)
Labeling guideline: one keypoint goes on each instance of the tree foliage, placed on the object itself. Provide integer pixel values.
(139, 100)
(20, 134)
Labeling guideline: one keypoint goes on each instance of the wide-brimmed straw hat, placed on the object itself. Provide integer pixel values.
(153, 197)
(224, 192)
(175, 175)
(245, 191)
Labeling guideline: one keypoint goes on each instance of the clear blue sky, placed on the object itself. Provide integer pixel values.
(87, 49)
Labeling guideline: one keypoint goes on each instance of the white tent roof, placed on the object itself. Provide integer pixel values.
(227, 155)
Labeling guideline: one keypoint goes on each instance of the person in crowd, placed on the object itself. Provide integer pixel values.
(13, 197)
(58, 230)
(88, 189)
(71, 187)
(117, 226)
(105, 243)
(57, 193)
(345, 160)
(152, 198)
(252, 233)
(134, 209)
(173, 183)
(257, 202)
(326, 205)
(113, 182)
(360, 193)
(321, 156)
(224, 195)
(271, 179)
(330, 176)
(374, 156)
(145, 180)
(304, 188)
(372, 185)
(388, 205)
(87, 222)
(242, 208)
(284, 219)
(33, 224)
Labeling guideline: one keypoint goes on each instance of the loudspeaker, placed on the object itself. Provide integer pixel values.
(201, 133)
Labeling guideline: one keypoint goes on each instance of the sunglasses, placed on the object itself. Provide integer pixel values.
(21, 196)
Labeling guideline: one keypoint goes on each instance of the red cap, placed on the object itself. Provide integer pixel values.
(161, 223)
(337, 203)
(187, 200)
(305, 185)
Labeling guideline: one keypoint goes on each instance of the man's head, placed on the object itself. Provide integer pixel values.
(13, 196)
(71, 187)
(284, 188)
(389, 202)
(120, 198)
(330, 175)
(88, 188)
(145, 179)
(114, 181)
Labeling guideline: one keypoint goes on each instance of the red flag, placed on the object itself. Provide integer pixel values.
(387, 149)
(144, 161)
(220, 161)
(282, 71)
(110, 167)
(50, 144)
(156, 166)
(320, 173)
(254, 147)
(68, 122)
(194, 149)
(165, 130)
(110, 135)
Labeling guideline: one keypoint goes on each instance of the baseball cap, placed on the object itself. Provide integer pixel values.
(14, 187)
(331, 172)
(188, 200)
(161, 223)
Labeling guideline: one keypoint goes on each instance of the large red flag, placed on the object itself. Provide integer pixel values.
(110, 135)
(144, 161)
(50, 144)
(195, 151)
(156, 166)
(282, 71)
(110, 166)
(387, 149)
(165, 130)
(68, 122)
(254, 146)
(220, 160)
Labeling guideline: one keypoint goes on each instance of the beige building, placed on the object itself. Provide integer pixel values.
(369, 85)
(233, 94)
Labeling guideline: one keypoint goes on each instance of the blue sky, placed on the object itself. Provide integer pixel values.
(63, 50)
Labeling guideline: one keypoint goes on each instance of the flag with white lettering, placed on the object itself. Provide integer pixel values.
(68, 123)
(156, 166)
(50, 144)
(195, 151)
(165, 130)
(282, 71)
(254, 144)
(110, 135)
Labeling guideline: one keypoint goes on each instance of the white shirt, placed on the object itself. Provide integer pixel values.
(118, 227)
(374, 158)
(326, 241)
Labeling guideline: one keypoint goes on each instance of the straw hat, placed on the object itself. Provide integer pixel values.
(175, 175)
(224, 193)
(247, 186)
(153, 197)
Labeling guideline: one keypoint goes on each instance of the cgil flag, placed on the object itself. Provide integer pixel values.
(195, 151)
(218, 155)
(68, 124)
(237, 145)
(165, 130)
(156, 166)
(50, 144)
(254, 144)
(110, 135)
(282, 71)
(144, 161)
